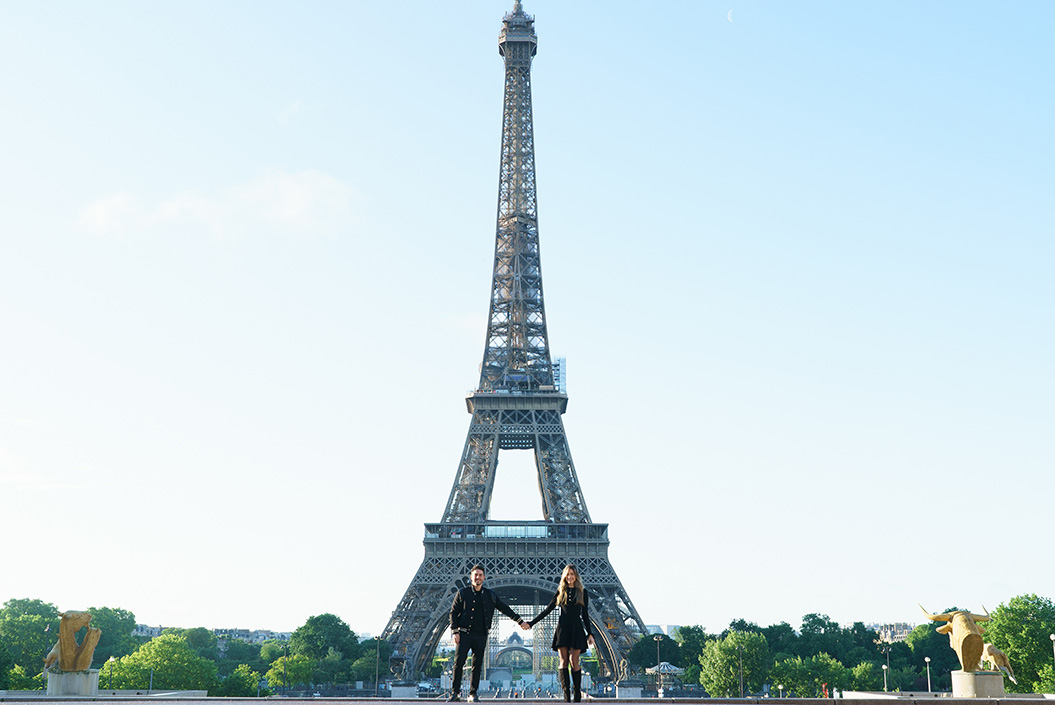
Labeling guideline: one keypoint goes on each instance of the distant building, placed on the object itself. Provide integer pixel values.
(251, 636)
(255, 636)
(890, 633)
(146, 632)
(560, 374)
(670, 630)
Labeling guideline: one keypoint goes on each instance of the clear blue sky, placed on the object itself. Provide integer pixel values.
(798, 258)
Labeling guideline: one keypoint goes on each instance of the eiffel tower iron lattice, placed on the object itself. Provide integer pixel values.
(516, 406)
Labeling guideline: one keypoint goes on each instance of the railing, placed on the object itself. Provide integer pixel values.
(518, 530)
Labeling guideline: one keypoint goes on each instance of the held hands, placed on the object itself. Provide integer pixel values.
(526, 626)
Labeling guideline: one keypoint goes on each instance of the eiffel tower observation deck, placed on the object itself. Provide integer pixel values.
(516, 406)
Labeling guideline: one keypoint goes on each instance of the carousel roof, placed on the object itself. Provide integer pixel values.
(665, 667)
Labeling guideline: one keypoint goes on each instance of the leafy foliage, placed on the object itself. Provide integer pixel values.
(811, 677)
(1021, 629)
(199, 639)
(925, 641)
(116, 640)
(290, 671)
(243, 682)
(237, 652)
(322, 633)
(721, 662)
(174, 663)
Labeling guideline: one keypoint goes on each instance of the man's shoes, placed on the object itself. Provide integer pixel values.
(455, 698)
(472, 698)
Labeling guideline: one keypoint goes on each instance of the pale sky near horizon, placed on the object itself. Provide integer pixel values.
(799, 263)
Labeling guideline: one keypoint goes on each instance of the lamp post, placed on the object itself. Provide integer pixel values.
(111, 662)
(377, 664)
(740, 654)
(659, 676)
(885, 669)
(1052, 637)
(780, 689)
(927, 659)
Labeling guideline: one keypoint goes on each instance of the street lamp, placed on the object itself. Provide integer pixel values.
(740, 654)
(780, 689)
(885, 669)
(927, 659)
(377, 665)
(1052, 637)
(111, 662)
(659, 676)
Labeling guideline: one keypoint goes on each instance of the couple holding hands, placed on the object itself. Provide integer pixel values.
(473, 611)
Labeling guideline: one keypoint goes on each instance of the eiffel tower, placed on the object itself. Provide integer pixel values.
(517, 406)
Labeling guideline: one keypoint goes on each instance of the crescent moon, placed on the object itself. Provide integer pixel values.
(729, 16)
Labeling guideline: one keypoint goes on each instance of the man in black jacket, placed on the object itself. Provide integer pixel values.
(472, 612)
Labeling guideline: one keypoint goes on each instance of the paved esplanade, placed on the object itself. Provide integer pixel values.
(916, 699)
(517, 405)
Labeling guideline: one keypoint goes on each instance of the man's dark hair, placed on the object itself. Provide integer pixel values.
(479, 568)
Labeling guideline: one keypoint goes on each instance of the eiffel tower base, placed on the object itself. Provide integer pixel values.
(523, 562)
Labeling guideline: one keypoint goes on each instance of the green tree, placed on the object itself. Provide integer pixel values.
(820, 635)
(858, 644)
(320, 634)
(237, 652)
(242, 682)
(904, 678)
(6, 664)
(925, 642)
(290, 671)
(721, 661)
(782, 640)
(866, 676)
(1045, 682)
(201, 640)
(29, 638)
(331, 668)
(376, 653)
(643, 653)
(18, 679)
(116, 639)
(175, 667)
(807, 678)
(271, 650)
(691, 641)
(1020, 629)
(740, 625)
(29, 607)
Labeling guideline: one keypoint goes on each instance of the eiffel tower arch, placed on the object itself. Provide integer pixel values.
(517, 405)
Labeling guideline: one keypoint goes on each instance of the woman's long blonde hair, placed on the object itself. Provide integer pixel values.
(563, 593)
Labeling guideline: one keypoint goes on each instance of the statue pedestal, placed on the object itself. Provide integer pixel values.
(405, 692)
(979, 684)
(84, 683)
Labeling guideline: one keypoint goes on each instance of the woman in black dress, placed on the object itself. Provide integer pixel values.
(573, 634)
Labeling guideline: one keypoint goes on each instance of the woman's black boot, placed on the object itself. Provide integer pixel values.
(576, 678)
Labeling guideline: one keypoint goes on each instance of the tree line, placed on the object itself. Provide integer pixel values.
(822, 657)
(818, 658)
(324, 651)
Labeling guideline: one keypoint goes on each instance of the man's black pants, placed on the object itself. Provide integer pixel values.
(477, 643)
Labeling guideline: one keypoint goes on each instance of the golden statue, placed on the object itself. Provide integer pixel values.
(965, 635)
(70, 655)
